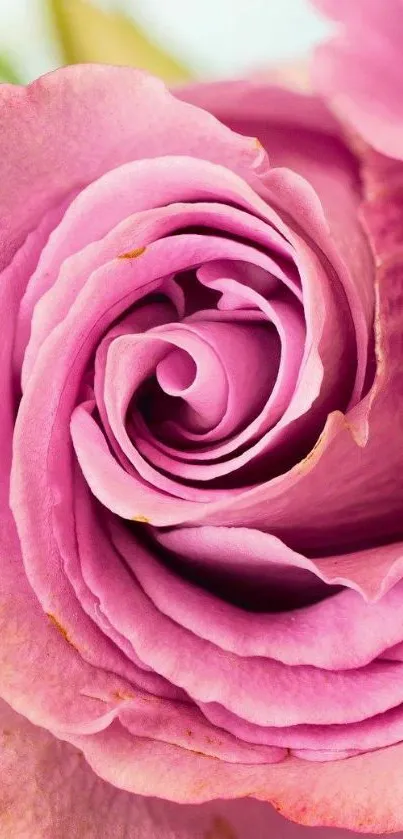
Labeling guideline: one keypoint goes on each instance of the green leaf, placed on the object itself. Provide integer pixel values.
(88, 34)
(7, 72)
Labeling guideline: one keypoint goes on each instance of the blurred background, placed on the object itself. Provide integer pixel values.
(176, 39)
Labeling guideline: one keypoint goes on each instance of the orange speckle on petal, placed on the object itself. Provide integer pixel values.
(132, 254)
(141, 519)
(61, 629)
(122, 695)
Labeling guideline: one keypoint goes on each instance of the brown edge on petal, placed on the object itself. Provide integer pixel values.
(132, 254)
(314, 452)
(141, 519)
(220, 829)
(63, 632)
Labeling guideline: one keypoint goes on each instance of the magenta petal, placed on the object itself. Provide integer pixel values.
(248, 555)
(74, 802)
(314, 742)
(167, 688)
(74, 250)
(163, 126)
(300, 135)
(306, 792)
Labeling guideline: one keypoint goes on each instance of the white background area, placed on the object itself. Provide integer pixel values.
(213, 37)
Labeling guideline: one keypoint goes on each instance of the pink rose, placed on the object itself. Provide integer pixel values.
(202, 567)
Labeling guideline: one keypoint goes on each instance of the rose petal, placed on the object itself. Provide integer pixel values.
(353, 632)
(48, 789)
(300, 134)
(163, 125)
(260, 690)
(359, 70)
(362, 793)
(139, 185)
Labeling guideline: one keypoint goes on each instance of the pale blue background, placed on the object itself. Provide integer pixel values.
(214, 37)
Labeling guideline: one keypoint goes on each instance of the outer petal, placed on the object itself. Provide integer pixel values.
(298, 132)
(359, 71)
(48, 789)
(132, 116)
(363, 793)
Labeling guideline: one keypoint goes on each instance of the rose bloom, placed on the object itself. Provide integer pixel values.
(201, 476)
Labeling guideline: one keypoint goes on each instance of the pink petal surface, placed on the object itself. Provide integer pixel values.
(363, 793)
(162, 125)
(130, 665)
(353, 632)
(209, 346)
(313, 742)
(141, 185)
(358, 71)
(259, 689)
(24, 187)
(299, 132)
(48, 789)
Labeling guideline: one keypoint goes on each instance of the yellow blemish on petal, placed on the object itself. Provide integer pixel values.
(122, 695)
(61, 629)
(132, 254)
(257, 144)
(220, 829)
(141, 519)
